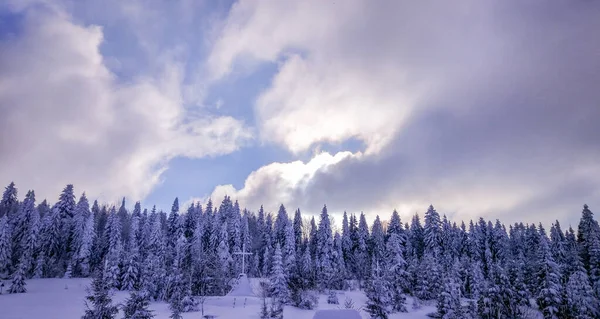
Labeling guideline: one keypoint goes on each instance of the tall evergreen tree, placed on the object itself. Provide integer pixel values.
(324, 251)
(549, 296)
(378, 294)
(5, 245)
(396, 272)
(279, 286)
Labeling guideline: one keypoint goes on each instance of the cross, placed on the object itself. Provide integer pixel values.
(243, 253)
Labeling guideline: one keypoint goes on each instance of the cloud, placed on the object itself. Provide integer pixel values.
(482, 108)
(66, 118)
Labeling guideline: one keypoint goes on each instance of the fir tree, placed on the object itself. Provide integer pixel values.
(396, 272)
(580, 301)
(378, 294)
(5, 245)
(279, 286)
(549, 296)
(136, 306)
(98, 301)
(18, 283)
(324, 251)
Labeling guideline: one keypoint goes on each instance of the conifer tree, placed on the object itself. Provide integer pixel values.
(279, 286)
(5, 245)
(136, 306)
(549, 295)
(378, 294)
(579, 297)
(396, 272)
(86, 249)
(432, 231)
(98, 301)
(9, 203)
(377, 242)
(324, 251)
(18, 283)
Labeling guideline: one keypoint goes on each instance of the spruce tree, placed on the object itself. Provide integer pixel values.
(279, 286)
(579, 297)
(378, 294)
(136, 306)
(98, 301)
(549, 295)
(18, 283)
(396, 272)
(5, 245)
(324, 251)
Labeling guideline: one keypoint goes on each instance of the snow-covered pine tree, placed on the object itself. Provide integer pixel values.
(130, 277)
(448, 301)
(289, 252)
(9, 203)
(338, 263)
(17, 285)
(378, 294)
(80, 216)
(298, 233)
(5, 246)
(224, 260)
(86, 249)
(396, 274)
(307, 269)
(587, 226)
(136, 306)
(324, 251)
(579, 297)
(377, 242)
(360, 250)
(428, 278)
(30, 244)
(432, 231)
(279, 229)
(98, 301)
(112, 271)
(549, 284)
(20, 228)
(278, 281)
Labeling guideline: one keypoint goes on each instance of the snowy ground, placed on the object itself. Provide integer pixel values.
(64, 299)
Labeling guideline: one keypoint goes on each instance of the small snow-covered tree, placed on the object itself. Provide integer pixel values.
(136, 306)
(98, 301)
(18, 283)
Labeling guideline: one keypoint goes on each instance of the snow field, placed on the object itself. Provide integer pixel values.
(64, 299)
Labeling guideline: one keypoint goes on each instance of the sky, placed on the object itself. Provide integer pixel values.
(481, 108)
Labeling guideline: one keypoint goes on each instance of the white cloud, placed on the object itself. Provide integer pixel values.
(67, 119)
(278, 183)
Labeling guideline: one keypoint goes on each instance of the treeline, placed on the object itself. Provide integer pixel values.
(503, 271)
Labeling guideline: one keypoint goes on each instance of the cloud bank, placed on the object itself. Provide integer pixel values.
(480, 107)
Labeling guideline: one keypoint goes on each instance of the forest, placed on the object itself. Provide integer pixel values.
(468, 269)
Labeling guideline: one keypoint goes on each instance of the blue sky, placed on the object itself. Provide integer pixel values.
(477, 108)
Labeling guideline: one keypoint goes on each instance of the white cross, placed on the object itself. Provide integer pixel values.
(243, 253)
